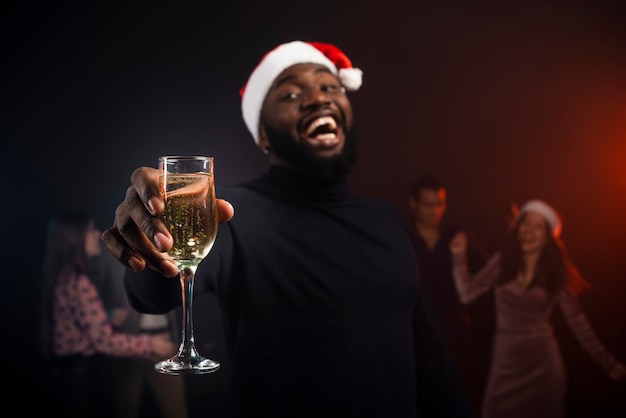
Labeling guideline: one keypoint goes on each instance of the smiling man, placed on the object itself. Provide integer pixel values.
(299, 93)
(318, 285)
(307, 120)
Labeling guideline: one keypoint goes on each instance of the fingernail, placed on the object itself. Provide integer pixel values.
(160, 240)
(169, 268)
(152, 204)
(135, 264)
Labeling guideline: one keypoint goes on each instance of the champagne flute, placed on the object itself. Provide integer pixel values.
(188, 190)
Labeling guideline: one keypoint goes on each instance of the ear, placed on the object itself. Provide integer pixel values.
(263, 142)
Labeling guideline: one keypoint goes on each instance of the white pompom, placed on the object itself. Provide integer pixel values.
(351, 78)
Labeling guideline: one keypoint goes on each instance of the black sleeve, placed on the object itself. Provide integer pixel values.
(440, 389)
(150, 292)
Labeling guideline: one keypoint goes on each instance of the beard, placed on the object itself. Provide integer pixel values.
(319, 169)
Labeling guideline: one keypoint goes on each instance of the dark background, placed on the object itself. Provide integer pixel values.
(504, 101)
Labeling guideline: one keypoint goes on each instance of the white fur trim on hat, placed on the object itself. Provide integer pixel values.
(545, 210)
(351, 78)
(274, 63)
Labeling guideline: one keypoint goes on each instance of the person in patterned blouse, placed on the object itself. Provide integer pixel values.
(75, 330)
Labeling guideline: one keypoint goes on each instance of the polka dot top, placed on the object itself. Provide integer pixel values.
(81, 325)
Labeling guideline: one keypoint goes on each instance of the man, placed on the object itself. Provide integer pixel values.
(318, 286)
(468, 341)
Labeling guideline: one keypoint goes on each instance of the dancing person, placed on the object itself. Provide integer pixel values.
(75, 330)
(531, 275)
(318, 284)
(134, 380)
(463, 327)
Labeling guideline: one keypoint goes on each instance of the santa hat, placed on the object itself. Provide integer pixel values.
(284, 56)
(545, 210)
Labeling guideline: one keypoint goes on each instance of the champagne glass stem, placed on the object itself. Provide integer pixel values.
(187, 347)
(187, 360)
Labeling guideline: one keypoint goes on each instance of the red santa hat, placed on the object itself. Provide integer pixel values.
(545, 210)
(284, 56)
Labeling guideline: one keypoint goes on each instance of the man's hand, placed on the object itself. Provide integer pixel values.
(138, 238)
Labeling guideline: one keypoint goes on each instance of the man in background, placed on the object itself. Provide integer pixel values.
(457, 324)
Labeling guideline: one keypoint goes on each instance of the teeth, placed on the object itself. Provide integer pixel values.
(324, 120)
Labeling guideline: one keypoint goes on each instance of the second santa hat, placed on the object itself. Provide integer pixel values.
(548, 212)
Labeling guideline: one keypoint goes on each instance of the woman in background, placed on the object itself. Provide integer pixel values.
(75, 329)
(530, 276)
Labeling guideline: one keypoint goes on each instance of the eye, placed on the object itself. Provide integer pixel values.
(332, 89)
(291, 95)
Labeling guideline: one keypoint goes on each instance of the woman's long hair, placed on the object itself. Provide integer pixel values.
(64, 254)
(555, 270)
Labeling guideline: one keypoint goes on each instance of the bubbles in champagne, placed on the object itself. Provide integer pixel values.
(190, 214)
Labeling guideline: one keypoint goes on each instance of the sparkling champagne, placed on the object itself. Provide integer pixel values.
(190, 215)
(187, 188)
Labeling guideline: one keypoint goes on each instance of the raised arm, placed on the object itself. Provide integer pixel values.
(470, 287)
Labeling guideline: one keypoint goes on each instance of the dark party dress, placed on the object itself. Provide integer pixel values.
(527, 377)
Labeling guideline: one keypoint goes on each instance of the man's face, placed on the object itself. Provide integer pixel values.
(429, 207)
(307, 123)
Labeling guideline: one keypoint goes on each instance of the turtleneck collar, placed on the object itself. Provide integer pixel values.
(291, 183)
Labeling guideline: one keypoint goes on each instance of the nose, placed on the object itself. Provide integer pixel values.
(315, 97)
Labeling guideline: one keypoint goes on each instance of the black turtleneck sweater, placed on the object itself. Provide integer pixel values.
(323, 317)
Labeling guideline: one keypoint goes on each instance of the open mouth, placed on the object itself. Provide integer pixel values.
(322, 131)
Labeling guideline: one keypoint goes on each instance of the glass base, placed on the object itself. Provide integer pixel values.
(187, 365)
